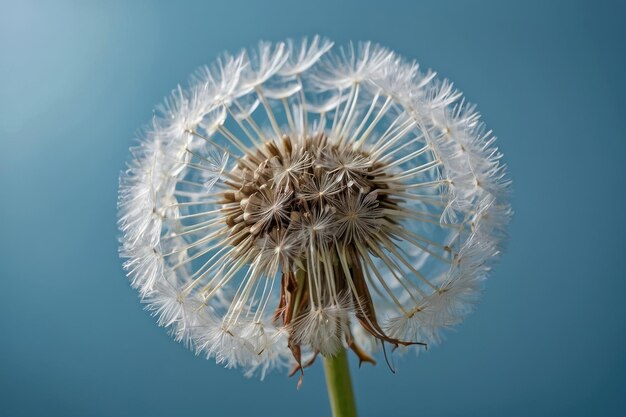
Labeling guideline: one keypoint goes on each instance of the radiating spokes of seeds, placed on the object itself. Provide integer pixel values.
(257, 198)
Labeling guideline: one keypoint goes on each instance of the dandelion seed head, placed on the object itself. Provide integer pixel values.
(296, 199)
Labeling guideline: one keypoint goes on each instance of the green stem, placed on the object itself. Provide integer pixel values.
(339, 385)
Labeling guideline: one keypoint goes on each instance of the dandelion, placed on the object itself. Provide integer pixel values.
(296, 201)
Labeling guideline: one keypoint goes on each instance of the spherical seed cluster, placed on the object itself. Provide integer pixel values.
(293, 201)
(287, 186)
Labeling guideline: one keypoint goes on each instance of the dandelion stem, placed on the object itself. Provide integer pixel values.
(339, 385)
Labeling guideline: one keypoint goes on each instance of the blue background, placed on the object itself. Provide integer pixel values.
(77, 79)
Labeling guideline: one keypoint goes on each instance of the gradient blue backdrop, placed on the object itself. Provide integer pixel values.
(77, 79)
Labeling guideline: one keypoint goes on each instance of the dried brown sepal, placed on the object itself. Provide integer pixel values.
(358, 351)
(365, 312)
